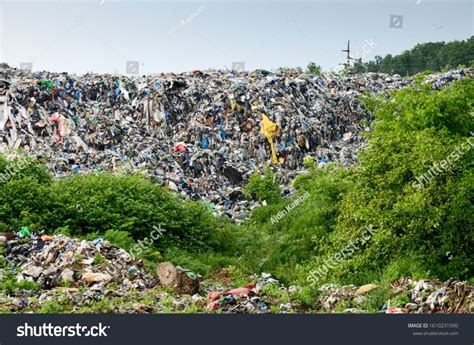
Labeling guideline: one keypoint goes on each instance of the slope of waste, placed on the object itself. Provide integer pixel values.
(61, 274)
(199, 133)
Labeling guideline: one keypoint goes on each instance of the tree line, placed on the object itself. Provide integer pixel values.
(432, 56)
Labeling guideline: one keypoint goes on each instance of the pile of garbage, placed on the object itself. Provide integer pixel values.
(434, 296)
(245, 299)
(407, 296)
(198, 133)
(52, 261)
(79, 272)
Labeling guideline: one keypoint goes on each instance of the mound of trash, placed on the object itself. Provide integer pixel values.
(200, 133)
(79, 272)
(410, 296)
(52, 261)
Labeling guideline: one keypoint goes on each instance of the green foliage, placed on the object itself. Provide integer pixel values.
(97, 204)
(53, 307)
(98, 259)
(9, 284)
(3, 261)
(426, 56)
(313, 69)
(309, 162)
(119, 238)
(423, 222)
(24, 191)
(203, 263)
(263, 186)
(279, 246)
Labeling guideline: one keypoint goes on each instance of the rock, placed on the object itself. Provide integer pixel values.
(176, 278)
(92, 277)
(3, 241)
(67, 276)
(364, 289)
(33, 271)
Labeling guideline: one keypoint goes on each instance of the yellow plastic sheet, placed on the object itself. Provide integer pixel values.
(268, 129)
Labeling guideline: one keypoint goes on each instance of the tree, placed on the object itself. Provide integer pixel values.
(432, 55)
(313, 69)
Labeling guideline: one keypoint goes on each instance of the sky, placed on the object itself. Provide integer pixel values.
(175, 36)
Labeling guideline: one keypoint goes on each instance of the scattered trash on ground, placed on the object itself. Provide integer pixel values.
(410, 296)
(78, 273)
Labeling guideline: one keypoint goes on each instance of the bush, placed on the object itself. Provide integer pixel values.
(98, 204)
(429, 223)
(263, 186)
(24, 192)
(277, 246)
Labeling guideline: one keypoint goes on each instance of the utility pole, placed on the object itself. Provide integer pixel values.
(347, 64)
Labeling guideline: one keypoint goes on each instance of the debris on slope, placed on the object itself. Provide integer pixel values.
(409, 296)
(197, 133)
(59, 260)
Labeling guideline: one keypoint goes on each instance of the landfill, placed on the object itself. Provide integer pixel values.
(199, 133)
(80, 274)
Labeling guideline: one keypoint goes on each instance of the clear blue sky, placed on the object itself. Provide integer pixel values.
(171, 36)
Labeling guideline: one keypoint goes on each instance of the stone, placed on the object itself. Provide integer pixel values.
(33, 271)
(171, 276)
(67, 276)
(364, 289)
(91, 277)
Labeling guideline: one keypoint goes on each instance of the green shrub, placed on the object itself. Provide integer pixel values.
(97, 204)
(263, 186)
